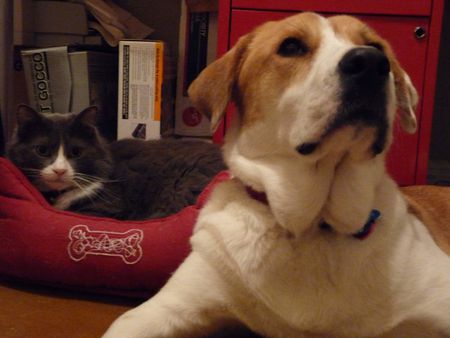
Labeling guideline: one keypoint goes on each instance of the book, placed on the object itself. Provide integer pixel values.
(197, 46)
(140, 89)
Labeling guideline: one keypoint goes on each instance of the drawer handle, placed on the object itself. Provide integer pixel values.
(420, 33)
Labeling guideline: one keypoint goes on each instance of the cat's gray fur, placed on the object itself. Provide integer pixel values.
(139, 179)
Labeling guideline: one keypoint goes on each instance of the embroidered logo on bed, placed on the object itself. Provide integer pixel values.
(125, 245)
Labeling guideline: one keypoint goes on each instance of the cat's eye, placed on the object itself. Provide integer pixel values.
(75, 151)
(42, 150)
(292, 47)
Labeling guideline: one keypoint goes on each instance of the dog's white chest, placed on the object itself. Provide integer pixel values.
(302, 282)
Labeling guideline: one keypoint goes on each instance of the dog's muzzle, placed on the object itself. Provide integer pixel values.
(363, 73)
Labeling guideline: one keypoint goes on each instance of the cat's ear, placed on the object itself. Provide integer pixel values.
(88, 116)
(27, 115)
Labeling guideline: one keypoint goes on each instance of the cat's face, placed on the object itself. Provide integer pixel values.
(59, 151)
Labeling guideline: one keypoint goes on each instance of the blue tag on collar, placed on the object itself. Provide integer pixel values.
(367, 229)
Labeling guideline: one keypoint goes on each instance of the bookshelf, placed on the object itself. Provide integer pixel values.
(164, 16)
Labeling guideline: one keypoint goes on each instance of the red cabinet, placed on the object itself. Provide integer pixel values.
(395, 20)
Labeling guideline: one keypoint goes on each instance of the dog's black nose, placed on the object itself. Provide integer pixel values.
(364, 64)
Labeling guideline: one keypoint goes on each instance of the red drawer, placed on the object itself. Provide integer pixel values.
(404, 7)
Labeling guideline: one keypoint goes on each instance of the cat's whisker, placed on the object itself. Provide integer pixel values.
(31, 170)
(107, 193)
(103, 194)
(102, 180)
(105, 197)
(95, 178)
(85, 180)
(112, 181)
(88, 195)
(33, 175)
(85, 175)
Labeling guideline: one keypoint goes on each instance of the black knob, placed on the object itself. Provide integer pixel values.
(420, 32)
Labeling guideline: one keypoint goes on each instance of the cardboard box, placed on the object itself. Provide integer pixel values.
(94, 83)
(75, 77)
(140, 89)
(196, 49)
(45, 93)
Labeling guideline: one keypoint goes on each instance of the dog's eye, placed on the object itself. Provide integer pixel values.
(376, 45)
(292, 47)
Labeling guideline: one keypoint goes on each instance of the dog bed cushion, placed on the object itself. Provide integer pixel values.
(41, 244)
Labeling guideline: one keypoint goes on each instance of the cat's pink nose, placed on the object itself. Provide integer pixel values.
(59, 172)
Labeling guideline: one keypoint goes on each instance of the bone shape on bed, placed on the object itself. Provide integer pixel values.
(125, 245)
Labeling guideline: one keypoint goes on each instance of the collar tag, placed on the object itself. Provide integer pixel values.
(367, 229)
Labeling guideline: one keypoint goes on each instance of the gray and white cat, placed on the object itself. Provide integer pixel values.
(65, 157)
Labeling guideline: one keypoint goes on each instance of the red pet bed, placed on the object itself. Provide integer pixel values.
(41, 244)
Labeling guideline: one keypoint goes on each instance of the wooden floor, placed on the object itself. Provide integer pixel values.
(35, 312)
(28, 311)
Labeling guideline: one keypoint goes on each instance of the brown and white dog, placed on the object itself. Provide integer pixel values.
(279, 246)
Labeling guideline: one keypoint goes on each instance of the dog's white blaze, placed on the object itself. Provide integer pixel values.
(313, 102)
(306, 108)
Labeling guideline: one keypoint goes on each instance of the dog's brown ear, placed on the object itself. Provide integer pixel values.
(406, 94)
(211, 91)
(407, 99)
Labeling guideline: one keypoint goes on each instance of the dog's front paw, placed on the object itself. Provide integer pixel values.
(129, 325)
